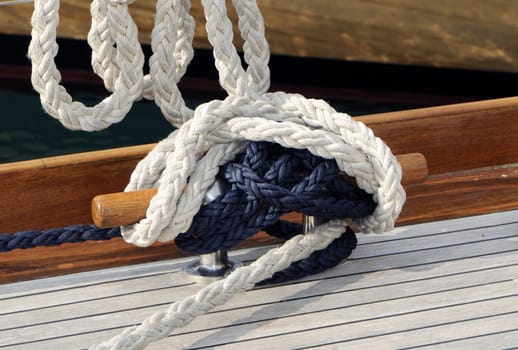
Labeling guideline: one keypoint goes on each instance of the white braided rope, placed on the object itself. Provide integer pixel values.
(171, 43)
(255, 46)
(46, 78)
(184, 165)
(287, 119)
(232, 76)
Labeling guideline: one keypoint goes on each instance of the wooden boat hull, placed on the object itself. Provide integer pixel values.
(456, 34)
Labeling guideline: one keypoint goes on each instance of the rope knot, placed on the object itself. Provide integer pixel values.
(265, 182)
(185, 164)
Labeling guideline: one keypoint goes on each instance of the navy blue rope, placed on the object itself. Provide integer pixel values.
(265, 182)
(52, 237)
(318, 261)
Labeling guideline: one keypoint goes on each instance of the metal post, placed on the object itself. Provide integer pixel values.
(211, 266)
(309, 223)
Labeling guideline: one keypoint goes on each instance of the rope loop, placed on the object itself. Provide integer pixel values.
(171, 44)
(255, 81)
(46, 78)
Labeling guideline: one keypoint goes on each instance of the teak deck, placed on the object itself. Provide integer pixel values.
(448, 284)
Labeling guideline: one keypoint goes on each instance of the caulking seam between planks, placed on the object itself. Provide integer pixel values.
(306, 282)
(430, 245)
(284, 316)
(462, 339)
(435, 247)
(513, 348)
(93, 284)
(86, 301)
(80, 279)
(403, 266)
(410, 330)
(446, 226)
(408, 234)
(374, 286)
(352, 339)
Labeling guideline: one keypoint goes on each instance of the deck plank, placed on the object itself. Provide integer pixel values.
(448, 283)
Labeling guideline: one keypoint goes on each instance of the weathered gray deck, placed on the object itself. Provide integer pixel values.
(450, 284)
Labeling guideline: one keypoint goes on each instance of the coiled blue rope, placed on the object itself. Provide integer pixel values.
(267, 181)
(264, 182)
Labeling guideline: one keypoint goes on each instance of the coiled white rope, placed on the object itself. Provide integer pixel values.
(288, 119)
(46, 78)
(184, 165)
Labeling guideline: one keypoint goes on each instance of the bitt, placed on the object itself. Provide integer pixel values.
(213, 266)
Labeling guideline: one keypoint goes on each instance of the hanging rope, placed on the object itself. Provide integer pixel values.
(46, 78)
(184, 165)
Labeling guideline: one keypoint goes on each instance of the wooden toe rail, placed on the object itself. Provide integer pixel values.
(126, 208)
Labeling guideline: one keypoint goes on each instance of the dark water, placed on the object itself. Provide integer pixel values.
(27, 132)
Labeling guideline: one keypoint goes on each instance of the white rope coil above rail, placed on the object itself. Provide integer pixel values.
(46, 78)
(118, 59)
(184, 165)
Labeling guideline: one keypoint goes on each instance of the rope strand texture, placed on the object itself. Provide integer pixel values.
(181, 312)
(218, 132)
(189, 158)
(46, 78)
(53, 237)
(265, 182)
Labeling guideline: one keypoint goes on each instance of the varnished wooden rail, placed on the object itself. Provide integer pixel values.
(125, 208)
(453, 139)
